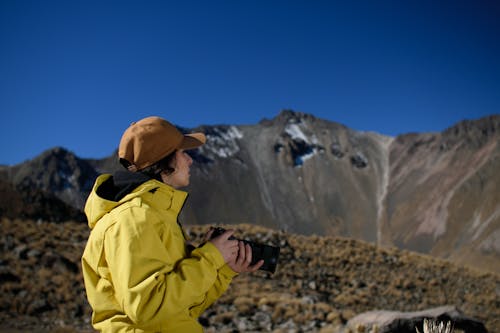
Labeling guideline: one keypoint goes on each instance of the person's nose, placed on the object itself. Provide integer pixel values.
(190, 160)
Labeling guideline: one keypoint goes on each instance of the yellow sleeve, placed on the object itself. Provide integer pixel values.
(224, 278)
(149, 285)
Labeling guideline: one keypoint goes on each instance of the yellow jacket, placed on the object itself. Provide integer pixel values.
(137, 272)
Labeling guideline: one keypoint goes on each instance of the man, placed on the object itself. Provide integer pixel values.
(139, 274)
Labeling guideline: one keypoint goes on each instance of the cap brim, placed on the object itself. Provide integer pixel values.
(193, 140)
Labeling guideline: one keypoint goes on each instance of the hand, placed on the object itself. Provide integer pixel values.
(242, 262)
(227, 247)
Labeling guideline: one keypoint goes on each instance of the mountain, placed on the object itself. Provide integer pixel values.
(444, 193)
(52, 186)
(434, 193)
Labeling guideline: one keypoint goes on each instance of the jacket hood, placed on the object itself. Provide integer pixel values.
(110, 191)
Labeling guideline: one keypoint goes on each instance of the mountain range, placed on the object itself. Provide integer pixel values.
(433, 193)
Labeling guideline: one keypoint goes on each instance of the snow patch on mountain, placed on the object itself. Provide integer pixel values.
(302, 146)
(299, 160)
(297, 131)
(222, 142)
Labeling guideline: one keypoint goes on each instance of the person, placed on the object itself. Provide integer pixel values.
(139, 274)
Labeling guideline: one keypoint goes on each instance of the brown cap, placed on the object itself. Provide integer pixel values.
(150, 139)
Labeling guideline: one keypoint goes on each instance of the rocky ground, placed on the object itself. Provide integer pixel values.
(320, 283)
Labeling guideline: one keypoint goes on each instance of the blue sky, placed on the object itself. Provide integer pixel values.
(76, 73)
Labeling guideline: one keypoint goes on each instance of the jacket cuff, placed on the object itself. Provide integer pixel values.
(228, 272)
(213, 254)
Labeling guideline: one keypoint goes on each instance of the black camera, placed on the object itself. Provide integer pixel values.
(268, 253)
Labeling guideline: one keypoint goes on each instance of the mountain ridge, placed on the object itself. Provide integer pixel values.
(427, 192)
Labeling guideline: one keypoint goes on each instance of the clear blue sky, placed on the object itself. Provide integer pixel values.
(76, 73)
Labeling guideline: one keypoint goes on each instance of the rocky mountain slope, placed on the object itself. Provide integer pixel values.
(320, 283)
(435, 193)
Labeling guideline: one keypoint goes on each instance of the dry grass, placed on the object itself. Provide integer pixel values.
(321, 282)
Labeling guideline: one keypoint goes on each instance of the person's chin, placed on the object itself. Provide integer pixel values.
(186, 182)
